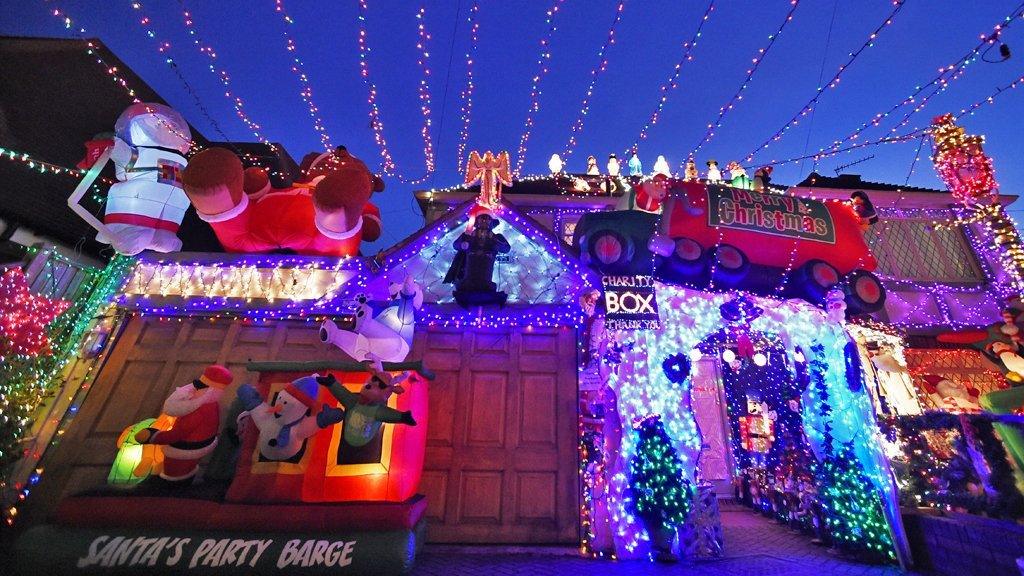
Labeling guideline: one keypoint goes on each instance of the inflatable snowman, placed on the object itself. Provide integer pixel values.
(288, 419)
(146, 205)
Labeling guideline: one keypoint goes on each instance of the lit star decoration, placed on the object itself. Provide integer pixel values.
(24, 317)
(25, 382)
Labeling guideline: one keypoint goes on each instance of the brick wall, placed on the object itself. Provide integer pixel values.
(964, 545)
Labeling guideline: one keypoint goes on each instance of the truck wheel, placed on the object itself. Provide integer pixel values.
(728, 264)
(609, 248)
(813, 280)
(688, 258)
(864, 292)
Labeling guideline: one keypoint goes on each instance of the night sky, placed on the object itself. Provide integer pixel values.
(249, 39)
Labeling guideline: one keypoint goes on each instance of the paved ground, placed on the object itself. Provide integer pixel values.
(754, 545)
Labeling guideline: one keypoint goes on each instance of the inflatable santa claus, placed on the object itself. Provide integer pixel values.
(326, 213)
(196, 409)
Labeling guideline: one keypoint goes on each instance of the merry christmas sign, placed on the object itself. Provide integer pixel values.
(770, 214)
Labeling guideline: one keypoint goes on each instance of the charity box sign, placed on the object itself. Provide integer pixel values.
(630, 303)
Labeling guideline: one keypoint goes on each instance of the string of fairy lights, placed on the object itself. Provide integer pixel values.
(673, 81)
(946, 75)
(810, 105)
(595, 73)
(163, 47)
(466, 96)
(423, 93)
(299, 69)
(732, 102)
(535, 92)
(221, 74)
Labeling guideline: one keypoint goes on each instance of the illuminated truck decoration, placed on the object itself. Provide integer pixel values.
(747, 240)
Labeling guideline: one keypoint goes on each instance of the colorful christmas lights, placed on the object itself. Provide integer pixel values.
(423, 92)
(299, 69)
(690, 318)
(222, 75)
(732, 102)
(542, 70)
(673, 81)
(810, 105)
(25, 384)
(467, 93)
(947, 74)
(602, 64)
(163, 48)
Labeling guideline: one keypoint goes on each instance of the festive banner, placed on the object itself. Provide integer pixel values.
(770, 214)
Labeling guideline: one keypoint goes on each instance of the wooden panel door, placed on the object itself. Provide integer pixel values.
(150, 358)
(501, 461)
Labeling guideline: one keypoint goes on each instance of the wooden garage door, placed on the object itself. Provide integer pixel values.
(150, 359)
(501, 462)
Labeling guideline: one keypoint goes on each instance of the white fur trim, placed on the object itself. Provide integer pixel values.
(170, 478)
(184, 454)
(227, 214)
(374, 218)
(318, 159)
(261, 192)
(334, 235)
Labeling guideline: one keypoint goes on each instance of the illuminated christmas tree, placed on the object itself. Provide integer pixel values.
(661, 493)
(853, 509)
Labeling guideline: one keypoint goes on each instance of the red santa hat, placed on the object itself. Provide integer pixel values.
(216, 376)
(304, 390)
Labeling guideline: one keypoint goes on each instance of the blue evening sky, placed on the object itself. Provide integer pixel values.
(248, 37)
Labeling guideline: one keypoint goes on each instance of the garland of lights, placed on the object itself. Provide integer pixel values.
(222, 75)
(690, 318)
(542, 70)
(423, 92)
(163, 48)
(732, 102)
(947, 74)
(467, 93)
(602, 65)
(112, 71)
(962, 164)
(673, 81)
(299, 69)
(809, 106)
(36, 380)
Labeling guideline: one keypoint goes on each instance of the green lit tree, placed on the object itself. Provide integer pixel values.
(661, 493)
(853, 508)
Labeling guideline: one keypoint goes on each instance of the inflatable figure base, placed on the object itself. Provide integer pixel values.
(118, 533)
(483, 299)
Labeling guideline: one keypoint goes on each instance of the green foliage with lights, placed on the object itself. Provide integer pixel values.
(853, 509)
(26, 380)
(661, 493)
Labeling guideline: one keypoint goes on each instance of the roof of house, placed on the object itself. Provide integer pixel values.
(854, 182)
(55, 98)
